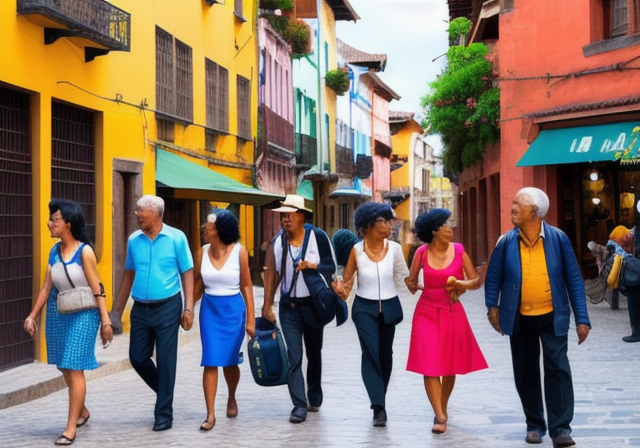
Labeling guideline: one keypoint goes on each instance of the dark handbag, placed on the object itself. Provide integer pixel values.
(77, 298)
(268, 355)
(326, 303)
(629, 278)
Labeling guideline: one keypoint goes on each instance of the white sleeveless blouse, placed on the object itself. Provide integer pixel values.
(223, 282)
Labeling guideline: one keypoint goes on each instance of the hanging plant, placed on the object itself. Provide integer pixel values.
(296, 33)
(337, 80)
(298, 36)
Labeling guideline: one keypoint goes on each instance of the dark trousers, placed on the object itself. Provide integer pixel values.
(156, 326)
(295, 332)
(533, 332)
(633, 302)
(376, 343)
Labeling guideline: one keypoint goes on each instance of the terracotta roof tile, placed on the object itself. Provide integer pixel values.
(356, 57)
(606, 104)
(400, 117)
(342, 10)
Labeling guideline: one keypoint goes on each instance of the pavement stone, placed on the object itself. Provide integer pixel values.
(484, 408)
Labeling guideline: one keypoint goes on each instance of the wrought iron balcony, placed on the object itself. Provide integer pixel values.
(306, 151)
(106, 27)
(275, 132)
(345, 164)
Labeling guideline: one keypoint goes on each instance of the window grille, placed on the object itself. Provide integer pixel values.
(244, 107)
(217, 85)
(174, 76)
(619, 18)
(73, 160)
(16, 229)
(184, 81)
(164, 71)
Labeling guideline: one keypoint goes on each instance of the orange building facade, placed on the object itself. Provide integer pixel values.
(570, 119)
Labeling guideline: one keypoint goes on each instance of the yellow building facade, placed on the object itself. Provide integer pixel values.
(96, 101)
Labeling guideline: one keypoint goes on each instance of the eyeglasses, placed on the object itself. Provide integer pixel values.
(140, 211)
(56, 219)
(450, 223)
(383, 219)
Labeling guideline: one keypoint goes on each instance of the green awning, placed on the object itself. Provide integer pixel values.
(305, 189)
(603, 142)
(178, 178)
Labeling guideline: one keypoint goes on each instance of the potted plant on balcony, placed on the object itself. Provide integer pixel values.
(298, 36)
(338, 80)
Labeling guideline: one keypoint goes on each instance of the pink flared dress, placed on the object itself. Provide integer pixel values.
(442, 342)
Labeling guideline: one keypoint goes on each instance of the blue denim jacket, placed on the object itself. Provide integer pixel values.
(504, 280)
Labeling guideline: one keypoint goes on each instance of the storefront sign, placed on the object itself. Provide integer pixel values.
(606, 142)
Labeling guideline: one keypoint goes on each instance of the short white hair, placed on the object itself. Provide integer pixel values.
(153, 203)
(538, 198)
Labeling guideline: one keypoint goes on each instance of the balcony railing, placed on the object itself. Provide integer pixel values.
(344, 161)
(306, 151)
(95, 20)
(275, 130)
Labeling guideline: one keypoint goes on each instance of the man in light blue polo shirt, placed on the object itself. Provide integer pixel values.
(158, 260)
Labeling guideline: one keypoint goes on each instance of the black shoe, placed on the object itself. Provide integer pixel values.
(533, 436)
(562, 441)
(312, 408)
(298, 415)
(162, 426)
(632, 338)
(379, 416)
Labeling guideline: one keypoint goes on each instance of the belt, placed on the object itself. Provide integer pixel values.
(296, 302)
(155, 303)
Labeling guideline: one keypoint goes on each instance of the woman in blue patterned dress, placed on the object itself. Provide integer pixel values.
(226, 311)
(71, 337)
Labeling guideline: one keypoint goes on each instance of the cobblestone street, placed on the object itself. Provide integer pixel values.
(484, 410)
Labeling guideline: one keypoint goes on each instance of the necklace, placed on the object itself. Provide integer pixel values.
(374, 255)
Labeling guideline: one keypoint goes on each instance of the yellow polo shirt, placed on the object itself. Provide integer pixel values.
(536, 288)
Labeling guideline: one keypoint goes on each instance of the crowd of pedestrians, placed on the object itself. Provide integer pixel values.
(532, 285)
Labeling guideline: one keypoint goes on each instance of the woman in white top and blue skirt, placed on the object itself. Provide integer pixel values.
(226, 312)
(380, 266)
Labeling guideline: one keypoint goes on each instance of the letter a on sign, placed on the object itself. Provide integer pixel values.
(619, 144)
(584, 146)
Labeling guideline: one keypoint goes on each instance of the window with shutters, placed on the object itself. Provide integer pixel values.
(244, 107)
(217, 96)
(174, 77)
(73, 160)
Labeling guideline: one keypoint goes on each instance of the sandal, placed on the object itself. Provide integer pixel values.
(208, 425)
(64, 440)
(82, 421)
(438, 426)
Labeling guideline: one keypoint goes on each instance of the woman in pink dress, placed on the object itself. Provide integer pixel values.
(442, 342)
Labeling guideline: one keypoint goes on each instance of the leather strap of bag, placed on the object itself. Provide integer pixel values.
(285, 251)
(64, 265)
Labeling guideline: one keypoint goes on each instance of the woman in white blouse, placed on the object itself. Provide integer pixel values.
(380, 266)
(226, 312)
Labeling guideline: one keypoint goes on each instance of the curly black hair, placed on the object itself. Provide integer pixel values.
(428, 223)
(226, 225)
(368, 212)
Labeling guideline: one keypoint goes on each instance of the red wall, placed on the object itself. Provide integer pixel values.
(536, 38)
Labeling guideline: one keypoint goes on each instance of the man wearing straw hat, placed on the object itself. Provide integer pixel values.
(284, 261)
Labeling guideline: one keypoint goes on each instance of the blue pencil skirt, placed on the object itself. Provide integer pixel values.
(222, 328)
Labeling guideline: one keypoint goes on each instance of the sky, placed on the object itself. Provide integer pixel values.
(411, 33)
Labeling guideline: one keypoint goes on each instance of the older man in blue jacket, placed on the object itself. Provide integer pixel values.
(533, 282)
